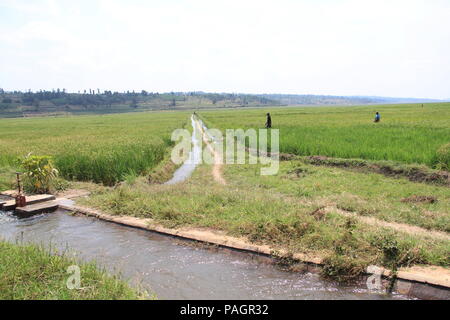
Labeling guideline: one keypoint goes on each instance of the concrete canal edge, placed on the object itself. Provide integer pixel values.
(423, 282)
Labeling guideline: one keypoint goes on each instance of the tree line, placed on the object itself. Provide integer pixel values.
(96, 99)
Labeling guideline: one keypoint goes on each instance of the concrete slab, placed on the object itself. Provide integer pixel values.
(10, 205)
(47, 206)
(10, 193)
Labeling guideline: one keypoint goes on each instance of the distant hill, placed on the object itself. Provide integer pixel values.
(56, 102)
(308, 99)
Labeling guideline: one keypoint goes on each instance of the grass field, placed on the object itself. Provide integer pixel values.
(28, 272)
(103, 149)
(406, 133)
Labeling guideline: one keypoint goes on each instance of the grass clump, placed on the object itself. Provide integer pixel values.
(443, 157)
(397, 254)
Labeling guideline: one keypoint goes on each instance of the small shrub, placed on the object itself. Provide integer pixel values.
(391, 250)
(39, 173)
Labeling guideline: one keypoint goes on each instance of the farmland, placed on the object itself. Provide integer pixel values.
(350, 218)
(406, 133)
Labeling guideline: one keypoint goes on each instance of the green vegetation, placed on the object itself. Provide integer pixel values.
(406, 133)
(366, 194)
(59, 102)
(28, 272)
(319, 205)
(39, 172)
(393, 169)
(303, 208)
(102, 149)
(443, 157)
(7, 178)
(289, 211)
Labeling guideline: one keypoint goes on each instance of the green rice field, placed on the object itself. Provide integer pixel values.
(103, 149)
(407, 133)
(108, 148)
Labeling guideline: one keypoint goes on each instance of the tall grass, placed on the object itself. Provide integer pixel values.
(406, 133)
(102, 149)
(29, 272)
(110, 165)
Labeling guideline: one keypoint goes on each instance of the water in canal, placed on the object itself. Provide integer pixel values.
(171, 268)
(194, 158)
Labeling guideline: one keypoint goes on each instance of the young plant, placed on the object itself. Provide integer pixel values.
(39, 173)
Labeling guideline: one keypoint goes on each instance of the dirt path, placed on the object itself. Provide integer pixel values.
(218, 161)
(402, 227)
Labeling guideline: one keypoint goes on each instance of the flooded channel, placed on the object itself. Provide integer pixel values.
(171, 268)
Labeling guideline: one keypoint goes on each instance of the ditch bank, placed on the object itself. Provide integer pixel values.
(423, 282)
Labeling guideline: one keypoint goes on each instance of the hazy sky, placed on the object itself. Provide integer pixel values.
(345, 47)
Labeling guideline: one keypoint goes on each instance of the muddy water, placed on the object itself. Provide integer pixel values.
(172, 268)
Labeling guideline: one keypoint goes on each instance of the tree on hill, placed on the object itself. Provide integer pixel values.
(134, 103)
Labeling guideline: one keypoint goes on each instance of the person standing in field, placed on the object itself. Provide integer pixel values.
(269, 121)
(377, 117)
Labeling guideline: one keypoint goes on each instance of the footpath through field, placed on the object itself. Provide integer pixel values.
(401, 227)
(218, 162)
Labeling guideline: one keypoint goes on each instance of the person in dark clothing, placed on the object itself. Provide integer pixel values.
(377, 117)
(269, 121)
